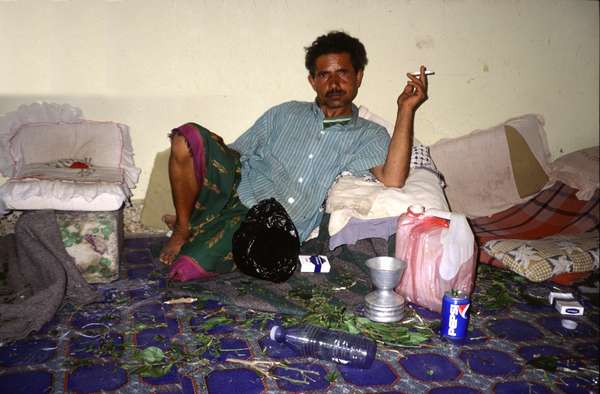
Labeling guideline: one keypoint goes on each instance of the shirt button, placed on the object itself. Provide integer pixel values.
(311, 156)
(322, 131)
(291, 200)
(300, 180)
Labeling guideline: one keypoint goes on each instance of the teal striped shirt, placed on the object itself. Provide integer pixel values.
(288, 154)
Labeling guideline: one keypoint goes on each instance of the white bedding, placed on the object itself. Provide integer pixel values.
(355, 197)
(62, 196)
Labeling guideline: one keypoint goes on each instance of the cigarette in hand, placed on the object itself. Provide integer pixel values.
(183, 300)
(418, 73)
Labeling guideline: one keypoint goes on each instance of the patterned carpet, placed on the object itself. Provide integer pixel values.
(219, 343)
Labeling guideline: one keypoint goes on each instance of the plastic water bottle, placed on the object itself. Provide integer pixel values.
(337, 346)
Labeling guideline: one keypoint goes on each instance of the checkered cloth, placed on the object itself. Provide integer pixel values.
(553, 211)
(421, 158)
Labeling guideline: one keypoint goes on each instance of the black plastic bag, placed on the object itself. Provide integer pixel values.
(267, 245)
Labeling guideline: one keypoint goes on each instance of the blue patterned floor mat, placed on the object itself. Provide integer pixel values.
(217, 346)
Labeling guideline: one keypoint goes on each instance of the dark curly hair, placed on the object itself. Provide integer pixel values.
(336, 42)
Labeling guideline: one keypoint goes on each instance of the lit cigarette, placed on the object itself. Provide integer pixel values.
(418, 73)
(183, 300)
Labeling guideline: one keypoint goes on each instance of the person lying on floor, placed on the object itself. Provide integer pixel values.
(293, 153)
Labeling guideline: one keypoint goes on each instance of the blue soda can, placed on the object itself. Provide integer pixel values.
(455, 315)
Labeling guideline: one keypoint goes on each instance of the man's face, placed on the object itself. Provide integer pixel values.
(336, 83)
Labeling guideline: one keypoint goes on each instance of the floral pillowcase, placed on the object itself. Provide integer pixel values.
(542, 259)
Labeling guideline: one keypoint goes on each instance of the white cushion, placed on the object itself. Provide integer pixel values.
(62, 196)
(580, 170)
(102, 202)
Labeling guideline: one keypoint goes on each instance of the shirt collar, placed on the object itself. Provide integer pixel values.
(317, 111)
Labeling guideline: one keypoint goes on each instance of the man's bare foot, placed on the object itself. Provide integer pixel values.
(169, 220)
(173, 245)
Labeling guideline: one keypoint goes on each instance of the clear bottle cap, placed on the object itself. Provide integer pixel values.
(416, 209)
(273, 332)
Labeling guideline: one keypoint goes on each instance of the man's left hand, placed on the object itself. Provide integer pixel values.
(415, 92)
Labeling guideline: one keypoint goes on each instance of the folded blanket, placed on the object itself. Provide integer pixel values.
(553, 211)
(41, 276)
(91, 174)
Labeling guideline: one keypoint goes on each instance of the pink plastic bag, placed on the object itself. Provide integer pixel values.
(435, 256)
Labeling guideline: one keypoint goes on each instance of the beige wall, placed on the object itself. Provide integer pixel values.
(154, 64)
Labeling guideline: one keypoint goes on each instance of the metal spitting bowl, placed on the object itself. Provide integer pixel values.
(385, 271)
(383, 304)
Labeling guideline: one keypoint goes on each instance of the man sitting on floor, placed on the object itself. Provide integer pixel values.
(293, 153)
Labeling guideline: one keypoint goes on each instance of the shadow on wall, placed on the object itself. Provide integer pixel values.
(158, 199)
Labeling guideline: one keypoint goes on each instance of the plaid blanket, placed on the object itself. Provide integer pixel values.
(553, 211)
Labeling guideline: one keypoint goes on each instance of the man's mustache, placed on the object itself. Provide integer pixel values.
(335, 92)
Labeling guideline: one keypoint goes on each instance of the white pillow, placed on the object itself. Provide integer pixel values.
(580, 170)
(46, 142)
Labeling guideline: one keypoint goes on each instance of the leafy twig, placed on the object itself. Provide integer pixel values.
(265, 368)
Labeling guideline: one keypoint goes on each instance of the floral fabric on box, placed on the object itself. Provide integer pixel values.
(93, 240)
(542, 259)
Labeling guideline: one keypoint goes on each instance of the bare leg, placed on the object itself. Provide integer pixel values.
(185, 189)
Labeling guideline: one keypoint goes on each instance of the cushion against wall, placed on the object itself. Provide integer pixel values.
(493, 169)
(12, 121)
(100, 141)
(580, 170)
(529, 175)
